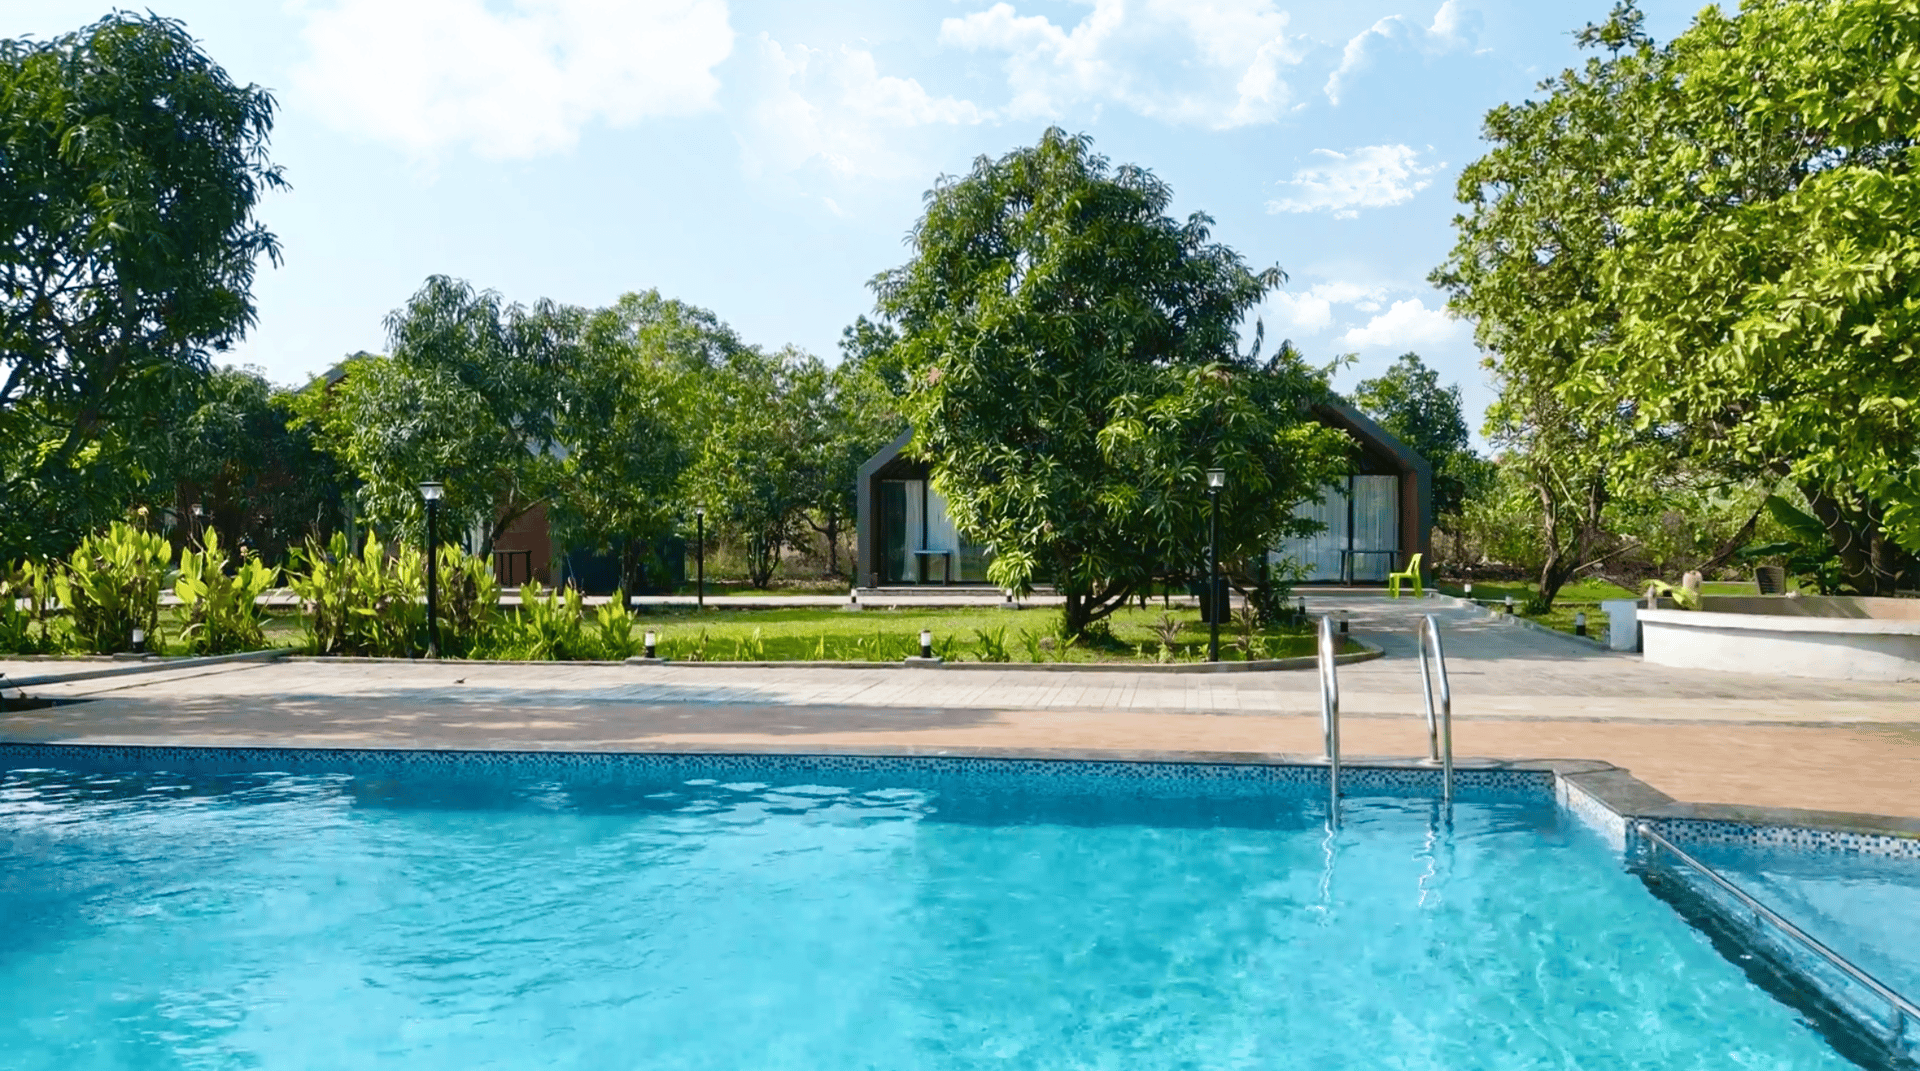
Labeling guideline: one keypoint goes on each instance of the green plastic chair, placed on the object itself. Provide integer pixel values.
(1412, 575)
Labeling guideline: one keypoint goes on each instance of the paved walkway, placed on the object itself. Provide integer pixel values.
(1700, 737)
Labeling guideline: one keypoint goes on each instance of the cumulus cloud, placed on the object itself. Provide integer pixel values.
(511, 80)
(1448, 31)
(1311, 311)
(1210, 63)
(1405, 325)
(835, 106)
(1371, 177)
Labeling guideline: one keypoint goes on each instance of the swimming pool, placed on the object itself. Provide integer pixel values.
(748, 912)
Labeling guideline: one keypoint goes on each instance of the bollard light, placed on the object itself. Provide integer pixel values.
(1509, 605)
(653, 640)
(1580, 623)
(1469, 590)
(926, 643)
(1343, 622)
(139, 641)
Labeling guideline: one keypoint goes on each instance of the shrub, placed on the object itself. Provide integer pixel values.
(365, 604)
(26, 629)
(111, 586)
(993, 644)
(611, 632)
(468, 607)
(218, 613)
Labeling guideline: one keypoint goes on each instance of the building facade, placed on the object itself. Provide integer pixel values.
(1375, 519)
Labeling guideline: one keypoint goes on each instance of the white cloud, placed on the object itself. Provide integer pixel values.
(1211, 63)
(1405, 325)
(1447, 32)
(836, 106)
(1311, 311)
(1371, 177)
(509, 81)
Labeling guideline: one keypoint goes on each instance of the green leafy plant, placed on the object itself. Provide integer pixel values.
(687, 651)
(362, 604)
(750, 648)
(26, 629)
(610, 631)
(469, 603)
(1167, 631)
(993, 644)
(1030, 642)
(550, 627)
(219, 612)
(947, 649)
(111, 586)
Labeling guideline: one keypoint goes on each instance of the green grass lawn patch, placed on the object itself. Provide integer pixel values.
(970, 634)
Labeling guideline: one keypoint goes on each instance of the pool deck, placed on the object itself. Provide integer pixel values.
(1721, 738)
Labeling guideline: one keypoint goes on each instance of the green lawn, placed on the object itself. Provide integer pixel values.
(819, 634)
(889, 635)
(1582, 596)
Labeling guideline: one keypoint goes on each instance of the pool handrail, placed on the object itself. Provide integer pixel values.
(1904, 1010)
(1330, 714)
(1440, 722)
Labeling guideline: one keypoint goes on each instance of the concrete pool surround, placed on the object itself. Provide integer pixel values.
(1832, 637)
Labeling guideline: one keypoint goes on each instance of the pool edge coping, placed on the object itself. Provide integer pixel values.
(1585, 787)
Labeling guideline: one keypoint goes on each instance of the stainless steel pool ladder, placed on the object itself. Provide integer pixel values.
(1440, 720)
(1903, 1011)
(1330, 715)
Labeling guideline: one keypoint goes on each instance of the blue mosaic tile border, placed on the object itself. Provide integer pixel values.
(1685, 831)
(1304, 781)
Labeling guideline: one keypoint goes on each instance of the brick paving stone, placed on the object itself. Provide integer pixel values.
(1701, 737)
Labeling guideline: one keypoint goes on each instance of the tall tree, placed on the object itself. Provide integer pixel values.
(1409, 402)
(854, 413)
(631, 422)
(751, 472)
(1070, 354)
(1705, 252)
(470, 396)
(1543, 210)
(131, 169)
(231, 449)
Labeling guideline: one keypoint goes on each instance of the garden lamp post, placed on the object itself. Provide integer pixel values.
(1216, 479)
(431, 490)
(700, 556)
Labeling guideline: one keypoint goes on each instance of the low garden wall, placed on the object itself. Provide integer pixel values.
(1833, 637)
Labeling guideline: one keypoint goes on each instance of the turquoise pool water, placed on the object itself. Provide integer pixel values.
(1865, 908)
(833, 921)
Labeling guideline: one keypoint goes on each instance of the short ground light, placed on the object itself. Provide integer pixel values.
(653, 640)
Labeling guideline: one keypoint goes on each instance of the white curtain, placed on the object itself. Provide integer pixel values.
(1320, 553)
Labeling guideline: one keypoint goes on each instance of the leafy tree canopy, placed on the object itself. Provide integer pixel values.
(470, 396)
(1409, 402)
(230, 450)
(1705, 253)
(129, 174)
(1070, 358)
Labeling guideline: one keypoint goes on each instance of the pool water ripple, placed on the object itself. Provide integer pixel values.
(262, 920)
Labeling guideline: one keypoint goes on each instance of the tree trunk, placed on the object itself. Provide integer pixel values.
(1870, 563)
(1566, 551)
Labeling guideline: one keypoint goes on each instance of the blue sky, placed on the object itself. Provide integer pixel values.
(766, 159)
